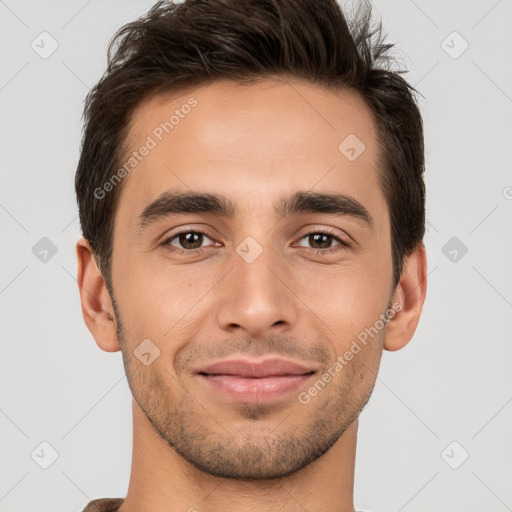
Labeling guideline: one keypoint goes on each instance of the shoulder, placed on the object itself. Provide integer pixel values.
(104, 505)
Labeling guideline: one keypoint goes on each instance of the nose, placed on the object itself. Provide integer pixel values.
(257, 297)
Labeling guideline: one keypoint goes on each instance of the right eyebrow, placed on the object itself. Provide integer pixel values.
(170, 203)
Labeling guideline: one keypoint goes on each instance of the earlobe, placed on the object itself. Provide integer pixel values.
(410, 294)
(96, 304)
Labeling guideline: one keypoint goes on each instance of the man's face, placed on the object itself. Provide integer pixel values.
(249, 282)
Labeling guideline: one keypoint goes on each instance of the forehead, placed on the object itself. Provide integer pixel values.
(250, 142)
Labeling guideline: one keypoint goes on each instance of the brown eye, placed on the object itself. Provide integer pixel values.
(187, 240)
(320, 240)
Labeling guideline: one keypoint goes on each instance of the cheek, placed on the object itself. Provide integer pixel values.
(348, 297)
(159, 300)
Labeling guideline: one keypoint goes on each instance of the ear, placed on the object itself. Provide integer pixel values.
(97, 307)
(410, 294)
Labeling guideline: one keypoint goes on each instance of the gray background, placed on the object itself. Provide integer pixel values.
(452, 383)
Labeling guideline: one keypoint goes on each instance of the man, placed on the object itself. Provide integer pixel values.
(251, 197)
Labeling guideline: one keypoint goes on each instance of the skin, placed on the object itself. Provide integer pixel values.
(194, 449)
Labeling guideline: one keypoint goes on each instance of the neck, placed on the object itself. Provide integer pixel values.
(161, 480)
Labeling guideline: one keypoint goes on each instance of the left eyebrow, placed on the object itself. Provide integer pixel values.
(315, 202)
(172, 203)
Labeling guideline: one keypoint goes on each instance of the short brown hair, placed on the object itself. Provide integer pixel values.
(179, 45)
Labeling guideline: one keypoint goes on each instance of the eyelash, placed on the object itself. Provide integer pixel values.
(342, 243)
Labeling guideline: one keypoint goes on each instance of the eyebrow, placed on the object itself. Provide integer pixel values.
(175, 203)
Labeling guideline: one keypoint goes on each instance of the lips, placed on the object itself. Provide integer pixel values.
(249, 381)
(256, 369)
